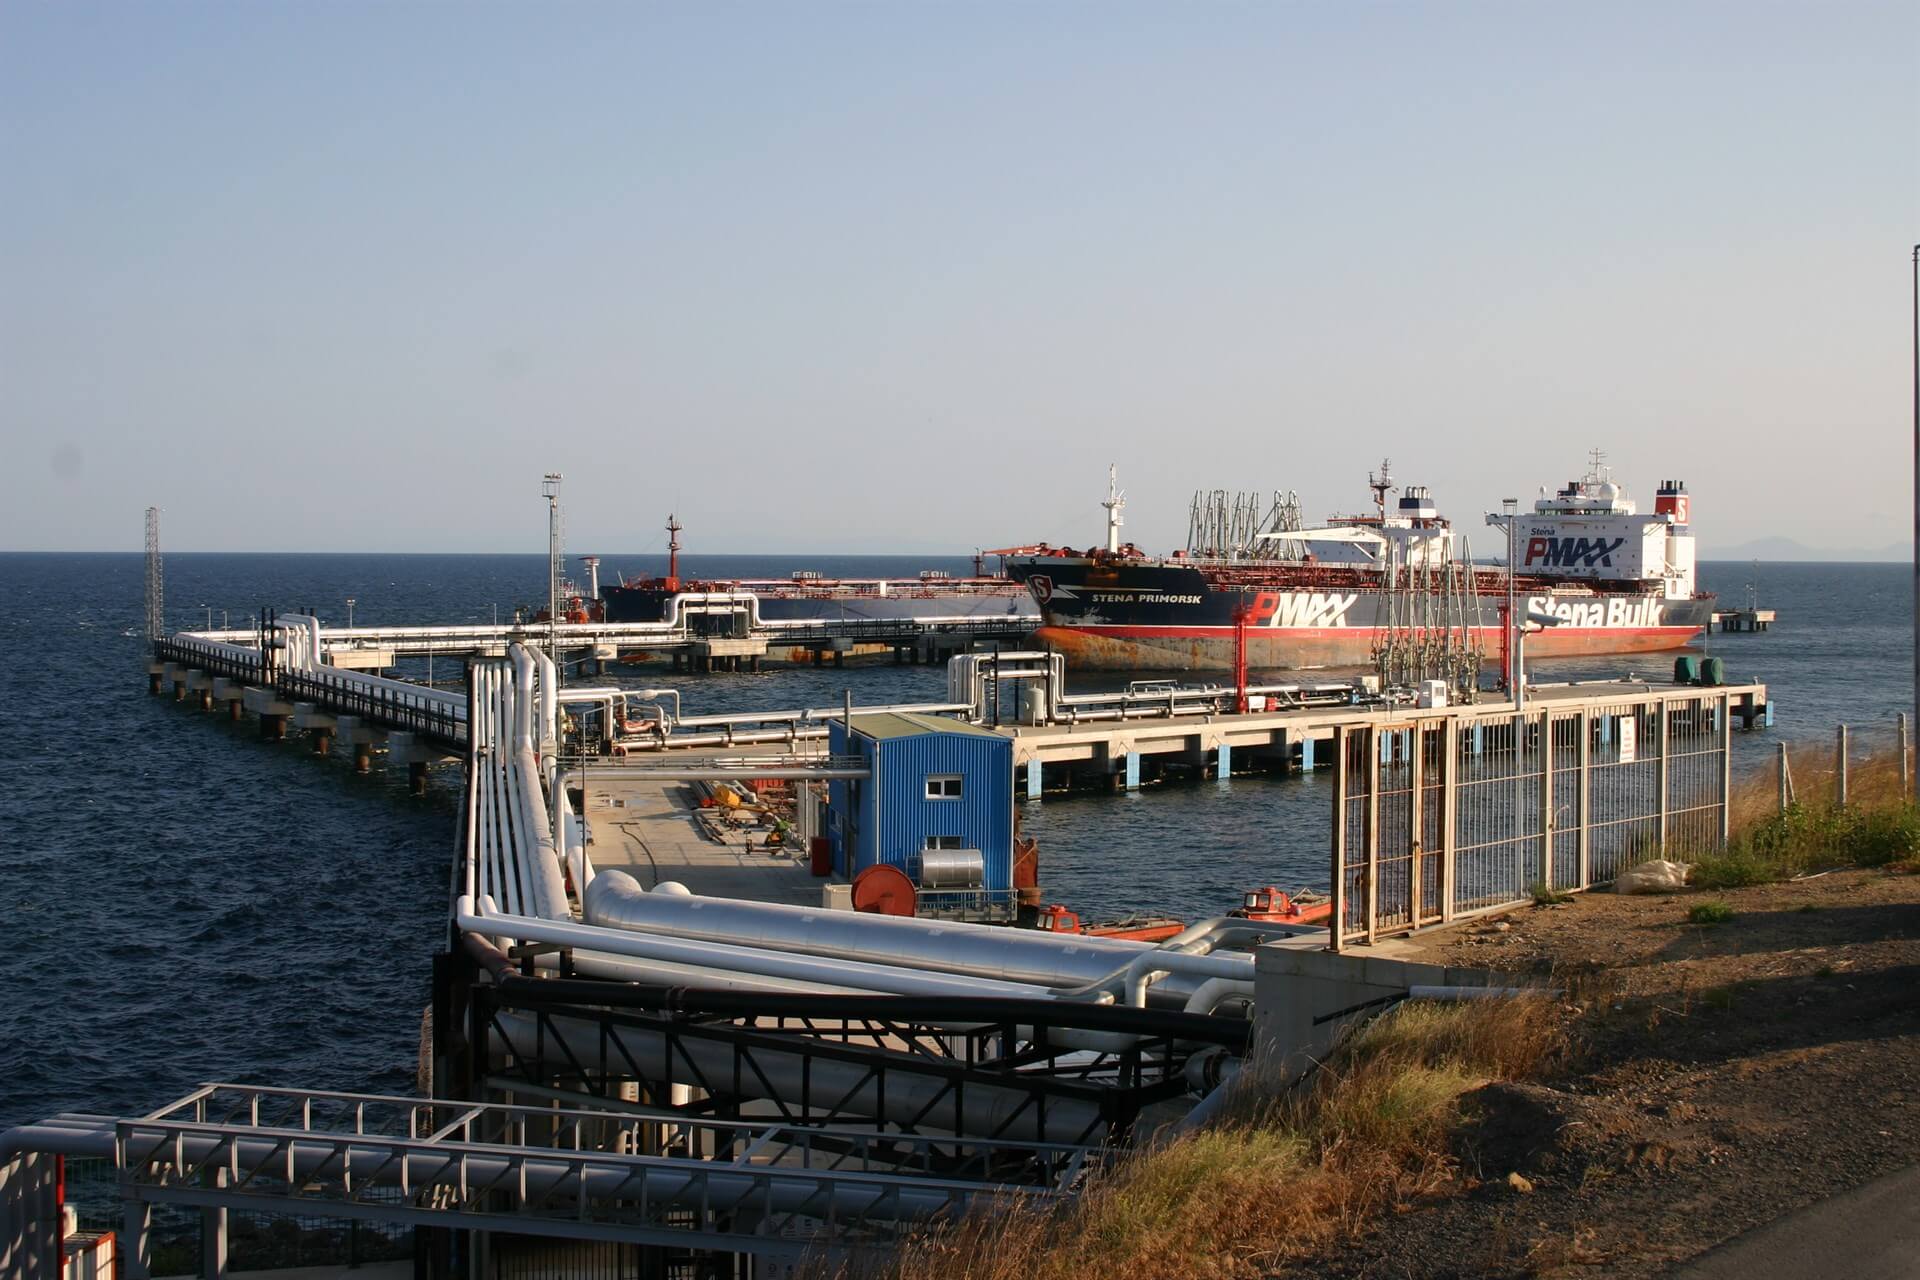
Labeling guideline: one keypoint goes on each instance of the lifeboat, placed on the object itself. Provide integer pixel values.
(1271, 905)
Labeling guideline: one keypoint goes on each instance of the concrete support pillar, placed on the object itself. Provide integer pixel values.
(1223, 762)
(180, 689)
(153, 681)
(753, 662)
(235, 709)
(273, 728)
(599, 666)
(417, 777)
(322, 742)
(213, 1234)
(363, 757)
(206, 699)
(819, 658)
(839, 658)
(1036, 779)
(136, 1240)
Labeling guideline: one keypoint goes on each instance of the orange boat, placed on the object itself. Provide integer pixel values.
(1058, 919)
(1270, 904)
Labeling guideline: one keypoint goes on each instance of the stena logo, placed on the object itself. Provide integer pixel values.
(1300, 609)
(1042, 587)
(1629, 613)
(1572, 553)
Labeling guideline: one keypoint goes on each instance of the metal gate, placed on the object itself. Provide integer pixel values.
(1455, 812)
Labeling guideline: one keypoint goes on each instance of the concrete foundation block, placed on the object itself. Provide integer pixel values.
(308, 716)
(1305, 997)
(266, 702)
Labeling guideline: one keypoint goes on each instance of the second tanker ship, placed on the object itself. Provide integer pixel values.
(1614, 580)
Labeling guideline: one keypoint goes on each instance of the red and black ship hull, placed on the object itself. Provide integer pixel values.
(1123, 615)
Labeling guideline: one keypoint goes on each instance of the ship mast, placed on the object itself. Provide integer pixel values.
(1116, 499)
(673, 553)
(1382, 484)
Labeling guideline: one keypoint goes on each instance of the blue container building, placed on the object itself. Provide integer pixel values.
(935, 784)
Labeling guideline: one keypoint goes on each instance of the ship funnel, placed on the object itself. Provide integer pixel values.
(1416, 503)
(1671, 499)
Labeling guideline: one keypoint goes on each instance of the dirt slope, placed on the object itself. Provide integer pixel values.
(1727, 1074)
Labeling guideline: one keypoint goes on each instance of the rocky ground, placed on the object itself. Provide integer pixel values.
(1723, 1075)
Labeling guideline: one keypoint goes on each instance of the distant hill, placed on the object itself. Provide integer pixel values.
(1788, 549)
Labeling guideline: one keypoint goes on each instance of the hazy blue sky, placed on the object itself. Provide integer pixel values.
(341, 276)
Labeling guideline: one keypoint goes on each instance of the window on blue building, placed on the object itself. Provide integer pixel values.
(943, 786)
(945, 842)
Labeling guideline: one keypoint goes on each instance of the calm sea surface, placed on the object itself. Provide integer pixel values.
(182, 903)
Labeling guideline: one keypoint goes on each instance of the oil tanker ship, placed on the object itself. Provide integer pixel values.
(931, 597)
(1362, 586)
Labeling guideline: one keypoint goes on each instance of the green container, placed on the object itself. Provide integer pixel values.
(1713, 673)
(1686, 669)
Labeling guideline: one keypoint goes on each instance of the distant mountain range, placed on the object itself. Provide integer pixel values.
(1788, 549)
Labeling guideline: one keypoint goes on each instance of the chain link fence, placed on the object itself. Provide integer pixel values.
(1460, 811)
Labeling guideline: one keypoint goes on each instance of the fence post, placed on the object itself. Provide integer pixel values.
(1582, 802)
(1726, 769)
(1546, 797)
(1373, 831)
(1905, 777)
(1337, 920)
(1416, 813)
(1785, 778)
(1449, 815)
(1662, 735)
(1840, 768)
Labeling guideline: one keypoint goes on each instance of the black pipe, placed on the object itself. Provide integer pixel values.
(516, 990)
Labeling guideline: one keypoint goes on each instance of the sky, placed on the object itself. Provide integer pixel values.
(907, 277)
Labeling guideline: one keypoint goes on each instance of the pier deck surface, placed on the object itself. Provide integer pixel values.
(1089, 739)
(653, 830)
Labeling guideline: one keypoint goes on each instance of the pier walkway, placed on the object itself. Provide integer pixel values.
(702, 627)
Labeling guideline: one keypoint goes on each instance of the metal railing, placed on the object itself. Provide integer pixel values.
(577, 1173)
(1447, 814)
(436, 713)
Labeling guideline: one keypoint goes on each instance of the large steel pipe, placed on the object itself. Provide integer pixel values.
(615, 900)
(831, 971)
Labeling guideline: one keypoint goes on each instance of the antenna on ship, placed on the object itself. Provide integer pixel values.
(673, 553)
(1116, 499)
(1382, 484)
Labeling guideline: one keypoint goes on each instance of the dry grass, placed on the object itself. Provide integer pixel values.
(1872, 783)
(1879, 826)
(1281, 1175)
